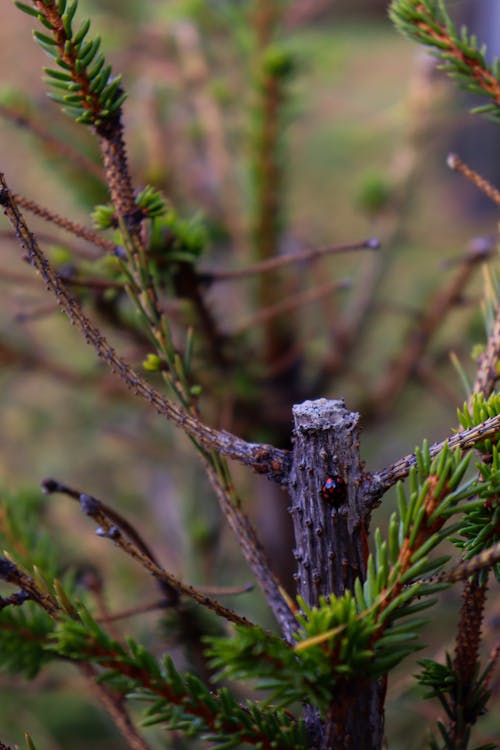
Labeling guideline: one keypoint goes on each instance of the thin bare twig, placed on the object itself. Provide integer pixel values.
(272, 264)
(162, 604)
(113, 526)
(265, 459)
(466, 568)
(212, 443)
(70, 226)
(481, 183)
(385, 479)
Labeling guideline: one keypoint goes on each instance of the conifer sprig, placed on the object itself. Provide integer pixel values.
(427, 22)
(363, 632)
(82, 81)
(175, 701)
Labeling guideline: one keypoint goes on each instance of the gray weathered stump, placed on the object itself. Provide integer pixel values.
(331, 551)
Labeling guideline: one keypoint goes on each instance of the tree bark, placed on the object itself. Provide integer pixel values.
(331, 552)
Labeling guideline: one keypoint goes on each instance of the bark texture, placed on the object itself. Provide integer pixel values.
(330, 536)
(331, 551)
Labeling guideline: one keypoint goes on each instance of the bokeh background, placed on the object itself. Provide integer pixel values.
(369, 123)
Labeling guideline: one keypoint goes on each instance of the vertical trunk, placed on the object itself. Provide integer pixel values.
(331, 551)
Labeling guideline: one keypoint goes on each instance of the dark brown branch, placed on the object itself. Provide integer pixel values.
(252, 550)
(385, 479)
(264, 459)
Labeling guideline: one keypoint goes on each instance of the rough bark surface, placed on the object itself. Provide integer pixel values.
(331, 551)
(330, 536)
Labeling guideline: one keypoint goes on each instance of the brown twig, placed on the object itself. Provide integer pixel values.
(280, 261)
(385, 479)
(466, 568)
(11, 573)
(161, 603)
(70, 226)
(265, 459)
(481, 183)
(113, 526)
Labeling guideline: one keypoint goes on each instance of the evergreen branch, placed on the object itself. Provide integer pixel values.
(265, 459)
(11, 573)
(177, 702)
(458, 685)
(357, 634)
(211, 441)
(82, 81)
(455, 162)
(113, 526)
(79, 638)
(89, 93)
(427, 22)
